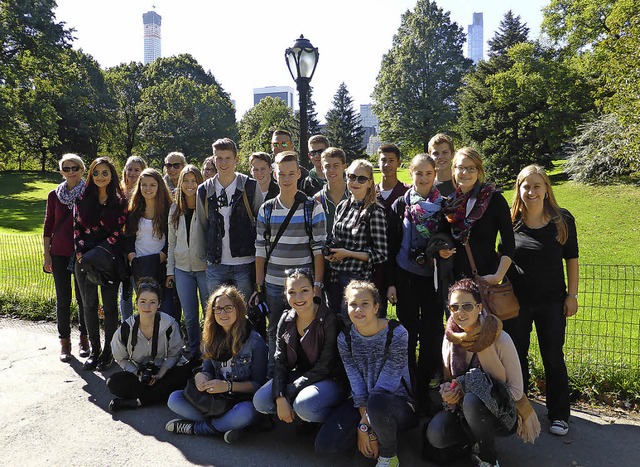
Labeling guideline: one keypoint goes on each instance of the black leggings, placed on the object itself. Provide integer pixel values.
(128, 386)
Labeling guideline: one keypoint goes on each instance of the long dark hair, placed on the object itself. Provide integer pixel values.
(137, 205)
(114, 193)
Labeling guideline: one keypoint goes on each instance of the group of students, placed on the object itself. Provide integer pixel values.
(321, 254)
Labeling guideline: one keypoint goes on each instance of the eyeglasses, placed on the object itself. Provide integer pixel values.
(73, 168)
(466, 308)
(462, 169)
(104, 173)
(227, 309)
(282, 144)
(315, 152)
(175, 165)
(359, 178)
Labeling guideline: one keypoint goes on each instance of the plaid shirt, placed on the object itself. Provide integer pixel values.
(360, 231)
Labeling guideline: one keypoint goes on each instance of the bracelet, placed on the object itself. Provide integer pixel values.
(229, 387)
(573, 295)
(258, 288)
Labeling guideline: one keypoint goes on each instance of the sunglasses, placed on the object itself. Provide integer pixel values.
(282, 144)
(464, 307)
(316, 152)
(175, 165)
(105, 173)
(359, 178)
(73, 168)
(228, 309)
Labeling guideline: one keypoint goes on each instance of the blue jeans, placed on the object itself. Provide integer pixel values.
(243, 276)
(446, 429)
(388, 415)
(126, 298)
(274, 295)
(240, 416)
(188, 284)
(313, 404)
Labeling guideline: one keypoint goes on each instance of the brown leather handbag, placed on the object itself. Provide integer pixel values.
(499, 300)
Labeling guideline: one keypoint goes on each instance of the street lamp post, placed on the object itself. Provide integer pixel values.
(301, 60)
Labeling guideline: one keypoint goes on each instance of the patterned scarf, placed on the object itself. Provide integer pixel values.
(66, 197)
(456, 210)
(424, 213)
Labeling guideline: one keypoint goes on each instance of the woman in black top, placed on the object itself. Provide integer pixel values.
(477, 212)
(99, 216)
(545, 235)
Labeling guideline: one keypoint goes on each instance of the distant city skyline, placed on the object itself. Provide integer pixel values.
(286, 93)
(243, 45)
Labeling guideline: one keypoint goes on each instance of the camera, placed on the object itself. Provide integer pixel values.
(418, 256)
(147, 371)
(330, 243)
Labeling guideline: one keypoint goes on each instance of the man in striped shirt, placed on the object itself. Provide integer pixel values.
(296, 248)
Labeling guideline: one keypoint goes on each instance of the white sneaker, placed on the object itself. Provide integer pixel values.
(559, 428)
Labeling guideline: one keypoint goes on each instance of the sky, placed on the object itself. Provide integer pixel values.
(242, 42)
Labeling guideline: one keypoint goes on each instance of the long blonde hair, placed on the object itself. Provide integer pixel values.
(551, 208)
(215, 341)
(370, 196)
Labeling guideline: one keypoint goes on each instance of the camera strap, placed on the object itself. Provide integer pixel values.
(154, 338)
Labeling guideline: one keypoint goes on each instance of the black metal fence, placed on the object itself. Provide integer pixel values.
(603, 337)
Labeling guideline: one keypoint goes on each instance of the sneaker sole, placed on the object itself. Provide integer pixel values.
(231, 436)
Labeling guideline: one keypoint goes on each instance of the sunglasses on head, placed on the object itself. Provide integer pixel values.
(73, 168)
(282, 144)
(105, 173)
(175, 165)
(359, 178)
(465, 307)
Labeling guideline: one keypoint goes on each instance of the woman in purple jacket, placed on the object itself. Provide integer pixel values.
(57, 241)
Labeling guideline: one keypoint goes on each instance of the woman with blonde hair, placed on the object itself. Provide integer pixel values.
(235, 366)
(57, 241)
(185, 265)
(359, 237)
(130, 175)
(477, 212)
(545, 237)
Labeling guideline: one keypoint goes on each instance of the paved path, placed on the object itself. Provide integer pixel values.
(55, 414)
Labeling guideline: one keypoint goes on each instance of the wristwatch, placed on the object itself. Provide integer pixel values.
(318, 284)
(573, 295)
(364, 427)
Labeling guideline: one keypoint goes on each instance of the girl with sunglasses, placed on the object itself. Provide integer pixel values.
(99, 216)
(306, 358)
(483, 383)
(57, 241)
(359, 237)
(235, 366)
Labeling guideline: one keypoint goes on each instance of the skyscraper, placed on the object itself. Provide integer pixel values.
(475, 39)
(151, 21)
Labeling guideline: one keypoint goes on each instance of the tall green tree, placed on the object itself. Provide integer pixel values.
(312, 115)
(125, 82)
(344, 127)
(419, 77)
(510, 32)
(523, 114)
(259, 122)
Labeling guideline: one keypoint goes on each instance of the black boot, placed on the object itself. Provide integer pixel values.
(106, 360)
(118, 404)
(91, 363)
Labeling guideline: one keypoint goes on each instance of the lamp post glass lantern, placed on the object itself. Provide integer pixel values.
(301, 61)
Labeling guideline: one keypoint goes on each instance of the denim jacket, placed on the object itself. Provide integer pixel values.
(250, 364)
(242, 232)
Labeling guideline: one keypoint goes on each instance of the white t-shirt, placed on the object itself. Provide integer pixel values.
(225, 212)
(385, 193)
(146, 242)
